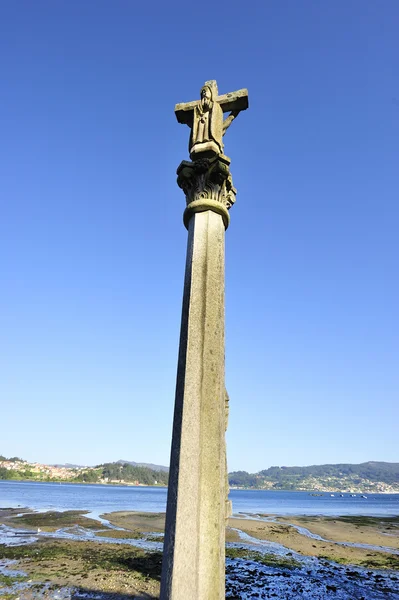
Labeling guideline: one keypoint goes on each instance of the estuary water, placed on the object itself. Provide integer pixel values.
(100, 499)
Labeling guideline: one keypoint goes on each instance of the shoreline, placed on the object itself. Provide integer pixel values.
(310, 492)
(74, 553)
(365, 544)
(365, 541)
(90, 483)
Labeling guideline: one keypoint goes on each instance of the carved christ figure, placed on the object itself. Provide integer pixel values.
(205, 118)
(208, 124)
(207, 121)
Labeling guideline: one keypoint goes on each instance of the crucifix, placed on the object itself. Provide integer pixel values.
(197, 508)
(205, 118)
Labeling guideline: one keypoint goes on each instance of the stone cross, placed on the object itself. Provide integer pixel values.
(205, 118)
(194, 549)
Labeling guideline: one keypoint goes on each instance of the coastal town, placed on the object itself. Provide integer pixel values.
(344, 485)
(120, 473)
(34, 470)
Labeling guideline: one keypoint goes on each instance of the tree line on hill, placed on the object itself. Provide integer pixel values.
(130, 473)
(13, 459)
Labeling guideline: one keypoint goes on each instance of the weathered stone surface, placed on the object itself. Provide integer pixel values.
(229, 504)
(194, 548)
(205, 118)
(195, 521)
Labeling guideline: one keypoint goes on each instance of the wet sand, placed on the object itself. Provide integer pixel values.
(137, 521)
(119, 570)
(289, 537)
(281, 533)
(374, 531)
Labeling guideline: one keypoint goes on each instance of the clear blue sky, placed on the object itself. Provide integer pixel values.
(93, 247)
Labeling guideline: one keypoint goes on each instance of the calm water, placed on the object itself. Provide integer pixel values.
(101, 498)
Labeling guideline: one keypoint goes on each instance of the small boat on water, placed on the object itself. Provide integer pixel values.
(364, 497)
(332, 495)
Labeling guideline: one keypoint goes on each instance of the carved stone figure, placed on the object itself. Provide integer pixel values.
(207, 128)
(205, 119)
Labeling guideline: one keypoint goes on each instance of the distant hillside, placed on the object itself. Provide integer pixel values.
(369, 476)
(378, 477)
(146, 465)
(131, 473)
(108, 473)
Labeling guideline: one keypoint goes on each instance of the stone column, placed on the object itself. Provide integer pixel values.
(194, 550)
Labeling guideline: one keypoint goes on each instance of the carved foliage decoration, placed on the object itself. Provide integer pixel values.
(208, 179)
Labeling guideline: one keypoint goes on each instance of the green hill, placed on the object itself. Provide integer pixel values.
(369, 476)
(378, 477)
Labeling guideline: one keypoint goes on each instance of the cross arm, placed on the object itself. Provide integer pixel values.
(184, 112)
(234, 101)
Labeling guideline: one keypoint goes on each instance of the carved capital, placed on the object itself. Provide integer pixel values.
(208, 185)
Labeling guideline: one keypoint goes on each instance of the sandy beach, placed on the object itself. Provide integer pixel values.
(361, 530)
(281, 531)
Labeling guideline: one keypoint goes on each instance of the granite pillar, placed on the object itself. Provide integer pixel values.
(194, 555)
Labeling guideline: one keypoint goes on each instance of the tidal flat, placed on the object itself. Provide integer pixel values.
(119, 557)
